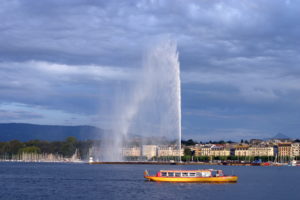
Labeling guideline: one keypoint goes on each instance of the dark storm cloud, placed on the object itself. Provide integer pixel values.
(115, 33)
(57, 86)
(239, 59)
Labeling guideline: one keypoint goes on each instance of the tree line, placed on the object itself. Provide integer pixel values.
(66, 148)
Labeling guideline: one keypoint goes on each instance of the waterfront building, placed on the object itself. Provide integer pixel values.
(212, 150)
(131, 151)
(197, 149)
(261, 150)
(181, 152)
(169, 151)
(230, 145)
(149, 151)
(284, 149)
(278, 141)
(206, 150)
(242, 150)
(255, 141)
(295, 149)
(219, 151)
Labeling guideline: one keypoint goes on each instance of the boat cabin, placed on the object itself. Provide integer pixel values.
(190, 173)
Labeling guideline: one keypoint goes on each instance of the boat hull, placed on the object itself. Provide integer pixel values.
(221, 179)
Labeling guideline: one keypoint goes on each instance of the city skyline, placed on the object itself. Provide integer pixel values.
(64, 62)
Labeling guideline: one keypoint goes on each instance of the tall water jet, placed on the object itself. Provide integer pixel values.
(152, 108)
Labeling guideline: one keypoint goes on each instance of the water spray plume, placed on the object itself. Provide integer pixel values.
(153, 106)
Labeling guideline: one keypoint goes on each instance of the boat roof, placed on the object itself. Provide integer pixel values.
(197, 170)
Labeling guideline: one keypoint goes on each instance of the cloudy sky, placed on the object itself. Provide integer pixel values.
(62, 62)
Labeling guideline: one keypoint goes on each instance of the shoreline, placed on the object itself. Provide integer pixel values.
(185, 163)
(154, 163)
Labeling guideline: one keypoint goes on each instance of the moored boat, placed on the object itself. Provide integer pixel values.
(201, 175)
(292, 163)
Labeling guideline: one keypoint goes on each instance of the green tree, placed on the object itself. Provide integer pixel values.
(69, 146)
(71, 140)
(190, 142)
(14, 146)
(187, 152)
(31, 149)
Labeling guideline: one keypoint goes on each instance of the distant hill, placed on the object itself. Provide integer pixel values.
(25, 132)
(280, 136)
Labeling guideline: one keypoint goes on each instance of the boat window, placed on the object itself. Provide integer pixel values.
(185, 174)
(171, 174)
(206, 174)
(214, 173)
(164, 174)
(199, 174)
(177, 174)
(192, 174)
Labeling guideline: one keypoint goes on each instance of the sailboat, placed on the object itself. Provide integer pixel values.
(76, 157)
(293, 163)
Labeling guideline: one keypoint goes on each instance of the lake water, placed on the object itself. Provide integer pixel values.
(83, 181)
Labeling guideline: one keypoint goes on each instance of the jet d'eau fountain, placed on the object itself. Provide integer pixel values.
(152, 108)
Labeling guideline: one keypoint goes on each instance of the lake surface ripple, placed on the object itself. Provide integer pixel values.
(83, 181)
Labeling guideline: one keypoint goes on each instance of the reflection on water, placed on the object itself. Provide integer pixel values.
(82, 181)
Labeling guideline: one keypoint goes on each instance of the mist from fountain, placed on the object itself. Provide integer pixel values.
(153, 106)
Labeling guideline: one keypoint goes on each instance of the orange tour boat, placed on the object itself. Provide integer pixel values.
(201, 175)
